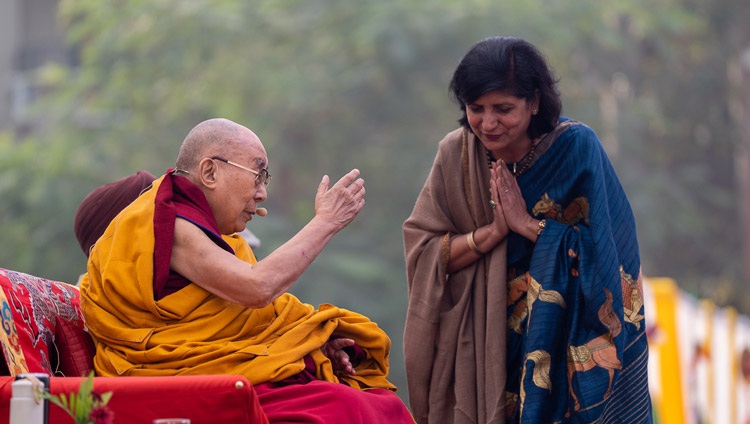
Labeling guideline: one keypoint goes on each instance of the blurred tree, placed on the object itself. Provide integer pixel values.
(330, 85)
(676, 156)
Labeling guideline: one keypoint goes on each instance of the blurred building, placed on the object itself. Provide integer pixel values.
(31, 37)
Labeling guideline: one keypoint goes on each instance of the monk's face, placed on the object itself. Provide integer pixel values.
(240, 186)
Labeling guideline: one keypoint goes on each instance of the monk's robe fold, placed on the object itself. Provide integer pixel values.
(192, 331)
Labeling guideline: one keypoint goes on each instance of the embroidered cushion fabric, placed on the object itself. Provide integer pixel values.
(31, 309)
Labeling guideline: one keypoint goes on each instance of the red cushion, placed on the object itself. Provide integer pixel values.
(75, 349)
(205, 399)
(30, 309)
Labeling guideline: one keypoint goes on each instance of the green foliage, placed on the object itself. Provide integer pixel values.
(329, 85)
(80, 405)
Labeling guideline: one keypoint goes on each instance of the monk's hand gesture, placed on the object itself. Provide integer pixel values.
(341, 203)
(334, 350)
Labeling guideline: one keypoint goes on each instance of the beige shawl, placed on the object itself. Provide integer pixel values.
(454, 338)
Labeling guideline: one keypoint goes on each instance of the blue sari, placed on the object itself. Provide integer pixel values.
(576, 343)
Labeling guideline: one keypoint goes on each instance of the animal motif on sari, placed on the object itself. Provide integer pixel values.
(576, 211)
(540, 374)
(632, 297)
(526, 284)
(573, 254)
(511, 400)
(597, 352)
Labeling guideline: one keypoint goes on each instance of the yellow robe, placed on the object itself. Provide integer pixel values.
(193, 331)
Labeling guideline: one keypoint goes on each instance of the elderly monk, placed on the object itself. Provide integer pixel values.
(171, 289)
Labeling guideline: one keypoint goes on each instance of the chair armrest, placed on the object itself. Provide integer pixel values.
(204, 399)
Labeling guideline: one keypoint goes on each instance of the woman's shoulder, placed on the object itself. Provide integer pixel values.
(454, 136)
(577, 133)
(575, 127)
(452, 141)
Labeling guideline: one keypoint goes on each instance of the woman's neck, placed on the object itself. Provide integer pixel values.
(514, 153)
(517, 167)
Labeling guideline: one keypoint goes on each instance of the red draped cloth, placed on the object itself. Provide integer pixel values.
(304, 399)
(320, 402)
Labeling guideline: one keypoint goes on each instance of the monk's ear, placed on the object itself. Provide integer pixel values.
(207, 170)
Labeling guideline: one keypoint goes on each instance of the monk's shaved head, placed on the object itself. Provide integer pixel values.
(213, 137)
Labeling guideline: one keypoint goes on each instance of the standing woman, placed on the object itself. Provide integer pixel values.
(525, 290)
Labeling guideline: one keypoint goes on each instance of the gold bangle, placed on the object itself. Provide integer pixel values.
(542, 224)
(472, 245)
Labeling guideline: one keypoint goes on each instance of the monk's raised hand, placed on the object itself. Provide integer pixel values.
(341, 203)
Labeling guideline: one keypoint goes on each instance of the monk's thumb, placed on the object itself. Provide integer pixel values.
(323, 186)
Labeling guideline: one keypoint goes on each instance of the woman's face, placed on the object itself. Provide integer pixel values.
(501, 121)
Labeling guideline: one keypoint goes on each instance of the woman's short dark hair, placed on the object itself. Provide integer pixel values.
(514, 65)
